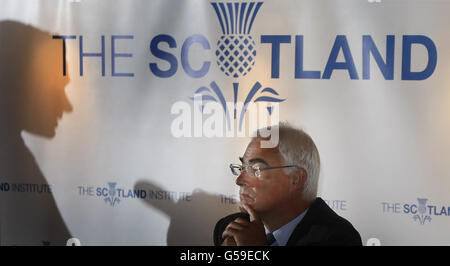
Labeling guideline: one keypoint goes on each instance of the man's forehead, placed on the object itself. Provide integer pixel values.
(254, 150)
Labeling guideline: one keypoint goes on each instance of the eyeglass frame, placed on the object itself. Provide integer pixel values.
(244, 167)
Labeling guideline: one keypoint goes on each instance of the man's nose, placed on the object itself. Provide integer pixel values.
(241, 180)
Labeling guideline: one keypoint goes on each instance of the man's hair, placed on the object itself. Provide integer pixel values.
(298, 148)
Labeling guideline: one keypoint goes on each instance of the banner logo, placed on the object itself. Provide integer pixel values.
(421, 212)
(113, 195)
(236, 56)
(421, 216)
(111, 198)
(236, 49)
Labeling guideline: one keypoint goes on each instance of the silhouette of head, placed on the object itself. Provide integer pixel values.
(32, 95)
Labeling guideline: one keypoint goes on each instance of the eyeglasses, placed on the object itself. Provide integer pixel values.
(254, 170)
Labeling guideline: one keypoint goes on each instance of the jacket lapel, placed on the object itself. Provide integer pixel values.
(306, 232)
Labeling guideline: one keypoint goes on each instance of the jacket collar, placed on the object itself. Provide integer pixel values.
(307, 224)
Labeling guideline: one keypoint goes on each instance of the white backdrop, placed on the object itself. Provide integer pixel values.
(384, 143)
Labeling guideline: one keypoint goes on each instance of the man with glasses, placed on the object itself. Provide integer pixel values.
(278, 193)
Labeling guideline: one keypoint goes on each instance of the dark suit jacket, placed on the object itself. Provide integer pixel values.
(321, 226)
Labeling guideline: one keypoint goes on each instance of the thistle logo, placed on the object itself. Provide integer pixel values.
(421, 216)
(236, 56)
(111, 198)
(421, 212)
(111, 195)
(236, 50)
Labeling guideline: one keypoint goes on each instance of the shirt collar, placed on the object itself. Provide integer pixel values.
(283, 233)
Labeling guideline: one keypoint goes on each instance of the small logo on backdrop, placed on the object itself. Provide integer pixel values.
(420, 212)
(111, 198)
(113, 195)
(421, 216)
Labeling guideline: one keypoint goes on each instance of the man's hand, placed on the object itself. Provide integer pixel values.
(245, 233)
(229, 241)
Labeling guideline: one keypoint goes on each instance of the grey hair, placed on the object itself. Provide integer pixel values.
(298, 148)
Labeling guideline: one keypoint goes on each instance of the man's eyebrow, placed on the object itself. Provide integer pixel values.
(258, 160)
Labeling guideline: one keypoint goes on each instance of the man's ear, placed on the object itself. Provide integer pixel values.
(299, 178)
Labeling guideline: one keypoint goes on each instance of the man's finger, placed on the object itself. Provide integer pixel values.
(241, 221)
(235, 225)
(229, 232)
(229, 241)
(253, 215)
(241, 208)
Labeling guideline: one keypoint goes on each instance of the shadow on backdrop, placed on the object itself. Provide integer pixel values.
(191, 222)
(32, 99)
